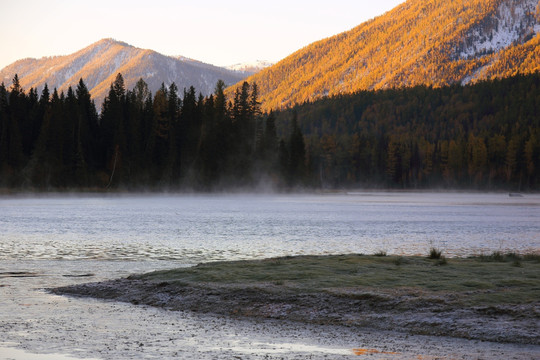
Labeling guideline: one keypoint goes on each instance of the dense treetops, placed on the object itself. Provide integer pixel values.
(482, 136)
(162, 141)
(421, 42)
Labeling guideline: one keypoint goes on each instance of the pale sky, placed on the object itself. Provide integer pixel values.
(219, 32)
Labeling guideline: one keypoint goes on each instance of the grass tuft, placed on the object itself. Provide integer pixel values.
(435, 253)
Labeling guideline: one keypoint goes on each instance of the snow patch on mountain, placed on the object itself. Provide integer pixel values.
(250, 67)
(478, 73)
(513, 22)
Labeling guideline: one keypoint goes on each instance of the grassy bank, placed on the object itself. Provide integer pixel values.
(486, 280)
(494, 298)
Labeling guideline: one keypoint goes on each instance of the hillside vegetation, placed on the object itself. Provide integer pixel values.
(481, 136)
(484, 135)
(421, 42)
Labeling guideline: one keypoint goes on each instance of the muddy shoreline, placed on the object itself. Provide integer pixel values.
(401, 310)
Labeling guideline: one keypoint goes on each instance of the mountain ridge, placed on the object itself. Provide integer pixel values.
(420, 42)
(99, 63)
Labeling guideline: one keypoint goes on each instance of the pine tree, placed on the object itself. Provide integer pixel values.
(113, 137)
(284, 161)
(158, 145)
(141, 114)
(297, 153)
(174, 161)
(223, 128)
(270, 143)
(189, 129)
(11, 146)
(4, 135)
(86, 134)
(209, 155)
(46, 168)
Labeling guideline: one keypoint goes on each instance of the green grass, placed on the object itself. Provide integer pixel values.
(498, 256)
(475, 281)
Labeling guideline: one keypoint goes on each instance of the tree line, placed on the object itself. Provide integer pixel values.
(481, 136)
(141, 140)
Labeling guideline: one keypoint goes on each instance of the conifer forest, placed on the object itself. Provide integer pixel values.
(480, 136)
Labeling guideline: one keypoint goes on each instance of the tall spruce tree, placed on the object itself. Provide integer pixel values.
(86, 135)
(113, 138)
(4, 135)
(297, 154)
(158, 146)
(11, 143)
(174, 161)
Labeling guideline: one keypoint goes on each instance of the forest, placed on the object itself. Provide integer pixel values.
(142, 141)
(481, 136)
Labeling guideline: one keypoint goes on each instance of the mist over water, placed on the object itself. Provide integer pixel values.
(195, 228)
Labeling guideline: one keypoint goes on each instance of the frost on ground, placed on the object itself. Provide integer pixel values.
(33, 321)
(394, 310)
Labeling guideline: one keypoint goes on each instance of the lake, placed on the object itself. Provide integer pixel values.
(197, 228)
(48, 241)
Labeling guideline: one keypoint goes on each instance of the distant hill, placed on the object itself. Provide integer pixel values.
(99, 63)
(430, 42)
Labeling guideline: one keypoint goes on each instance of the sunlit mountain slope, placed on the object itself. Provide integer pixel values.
(99, 63)
(433, 42)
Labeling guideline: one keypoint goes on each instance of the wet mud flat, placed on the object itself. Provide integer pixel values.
(483, 299)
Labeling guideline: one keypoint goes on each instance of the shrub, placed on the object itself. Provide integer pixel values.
(532, 257)
(497, 256)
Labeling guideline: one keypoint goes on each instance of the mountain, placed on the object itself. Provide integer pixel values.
(99, 63)
(250, 68)
(430, 42)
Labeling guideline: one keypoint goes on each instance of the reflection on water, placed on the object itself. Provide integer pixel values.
(206, 228)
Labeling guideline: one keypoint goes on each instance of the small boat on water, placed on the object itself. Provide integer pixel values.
(515, 195)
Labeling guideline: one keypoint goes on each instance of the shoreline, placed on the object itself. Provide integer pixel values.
(320, 290)
(7, 191)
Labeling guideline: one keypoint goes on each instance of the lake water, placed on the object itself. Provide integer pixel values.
(48, 241)
(192, 229)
